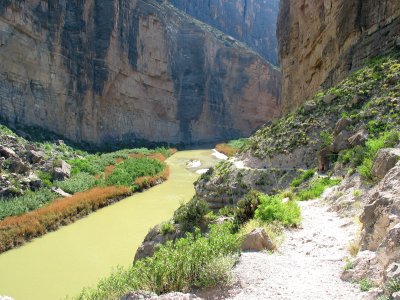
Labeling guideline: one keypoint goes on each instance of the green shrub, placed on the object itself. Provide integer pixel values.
(46, 177)
(372, 146)
(273, 209)
(303, 177)
(191, 214)
(393, 286)
(326, 138)
(78, 183)
(167, 227)
(126, 172)
(189, 262)
(316, 188)
(227, 211)
(246, 207)
(28, 202)
(365, 285)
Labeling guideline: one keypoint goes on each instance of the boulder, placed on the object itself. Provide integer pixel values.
(18, 166)
(341, 125)
(359, 138)
(393, 272)
(154, 239)
(309, 106)
(35, 156)
(396, 296)
(34, 182)
(60, 192)
(385, 160)
(63, 172)
(357, 99)
(328, 99)
(7, 152)
(257, 240)
(341, 141)
(373, 294)
(10, 191)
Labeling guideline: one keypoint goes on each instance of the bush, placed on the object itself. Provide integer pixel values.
(316, 188)
(303, 177)
(365, 285)
(193, 261)
(127, 171)
(23, 204)
(246, 207)
(78, 183)
(16, 230)
(46, 177)
(372, 146)
(273, 209)
(191, 214)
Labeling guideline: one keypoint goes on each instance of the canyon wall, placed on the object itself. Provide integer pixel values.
(320, 42)
(123, 71)
(250, 21)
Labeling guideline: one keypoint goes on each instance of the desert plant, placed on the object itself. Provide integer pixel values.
(365, 285)
(191, 214)
(303, 177)
(246, 207)
(272, 209)
(316, 188)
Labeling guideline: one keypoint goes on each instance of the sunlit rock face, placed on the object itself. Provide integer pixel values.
(250, 21)
(320, 42)
(120, 71)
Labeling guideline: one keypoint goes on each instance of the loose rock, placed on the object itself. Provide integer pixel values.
(257, 240)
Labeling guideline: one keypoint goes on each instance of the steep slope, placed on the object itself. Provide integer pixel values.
(250, 21)
(320, 42)
(119, 71)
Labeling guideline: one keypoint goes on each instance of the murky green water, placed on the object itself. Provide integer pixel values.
(63, 262)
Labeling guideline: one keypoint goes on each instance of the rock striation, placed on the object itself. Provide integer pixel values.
(250, 21)
(120, 71)
(320, 42)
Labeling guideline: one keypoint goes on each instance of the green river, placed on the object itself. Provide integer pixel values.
(61, 263)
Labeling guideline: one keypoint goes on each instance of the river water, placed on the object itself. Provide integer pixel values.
(61, 263)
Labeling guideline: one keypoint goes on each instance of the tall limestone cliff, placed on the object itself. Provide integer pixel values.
(250, 21)
(110, 71)
(320, 42)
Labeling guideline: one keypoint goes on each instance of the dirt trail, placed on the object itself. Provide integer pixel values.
(307, 266)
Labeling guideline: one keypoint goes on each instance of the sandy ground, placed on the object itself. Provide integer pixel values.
(306, 267)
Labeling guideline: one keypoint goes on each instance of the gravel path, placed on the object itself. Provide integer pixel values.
(307, 266)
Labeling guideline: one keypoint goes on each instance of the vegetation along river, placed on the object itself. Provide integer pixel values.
(63, 262)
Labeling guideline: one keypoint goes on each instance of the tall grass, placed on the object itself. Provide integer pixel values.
(193, 261)
(22, 204)
(16, 230)
(316, 188)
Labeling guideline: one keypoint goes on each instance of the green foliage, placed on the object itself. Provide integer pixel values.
(365, 285)
(273, 209)
(238, 144)
(348, 265)
(191, 214)
(167, 228)
(246, 207)
(393, 286)
(46, 177)
(385, 140)
(193, 261)
(316, 188)
(28, 202)
(326, 138)
(78, 183)
(227, 211)
(127, 171)
(303, 177)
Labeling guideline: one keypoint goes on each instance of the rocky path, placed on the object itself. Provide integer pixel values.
(307, 266)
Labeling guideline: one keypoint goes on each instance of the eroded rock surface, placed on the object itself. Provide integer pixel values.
(119, 71)
(250, 21)
(320, 42)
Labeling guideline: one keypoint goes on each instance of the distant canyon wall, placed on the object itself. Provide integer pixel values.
(250, 21)
(120, 71)
(320, 42)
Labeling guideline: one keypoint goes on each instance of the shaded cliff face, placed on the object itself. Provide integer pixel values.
(110, 71)
(250, 21)
(320, 42)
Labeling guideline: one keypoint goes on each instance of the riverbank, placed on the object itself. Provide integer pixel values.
(63, 262)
